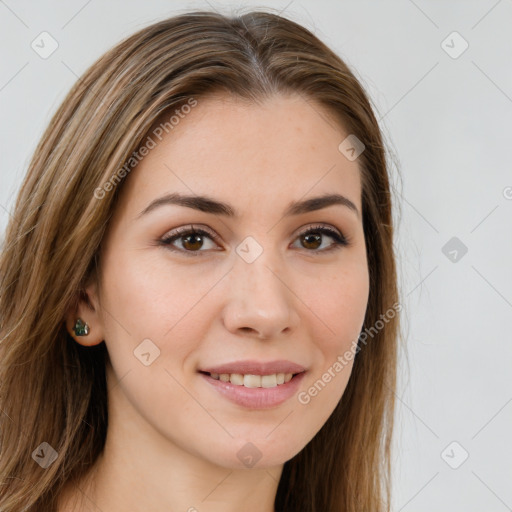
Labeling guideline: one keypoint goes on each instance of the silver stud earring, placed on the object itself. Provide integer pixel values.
(81, 328)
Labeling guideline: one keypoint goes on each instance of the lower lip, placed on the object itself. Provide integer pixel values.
(256, 398)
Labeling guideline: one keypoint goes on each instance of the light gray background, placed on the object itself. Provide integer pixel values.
(448, 122)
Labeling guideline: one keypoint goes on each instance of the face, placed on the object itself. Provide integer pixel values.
(261, 284)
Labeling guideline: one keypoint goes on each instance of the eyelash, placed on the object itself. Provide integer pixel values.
(339, 240)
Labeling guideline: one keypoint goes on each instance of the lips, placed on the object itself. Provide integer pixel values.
(251, 367)
(255, 397)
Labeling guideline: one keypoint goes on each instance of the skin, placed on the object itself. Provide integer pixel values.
(172, 440)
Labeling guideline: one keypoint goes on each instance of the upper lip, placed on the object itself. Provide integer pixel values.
(251, 367)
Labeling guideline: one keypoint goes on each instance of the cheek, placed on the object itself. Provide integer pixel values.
(149, 298)
(144, 312)
(348, 317)
(340, 307)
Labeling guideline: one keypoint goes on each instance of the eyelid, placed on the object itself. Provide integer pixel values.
(191, 228)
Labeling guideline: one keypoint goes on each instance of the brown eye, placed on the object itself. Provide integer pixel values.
(192, 240)
(312, 239)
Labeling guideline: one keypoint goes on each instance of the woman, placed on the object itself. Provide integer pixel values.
(198, 288)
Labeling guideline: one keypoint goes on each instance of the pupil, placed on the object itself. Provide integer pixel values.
(314, 237)
(189, 237)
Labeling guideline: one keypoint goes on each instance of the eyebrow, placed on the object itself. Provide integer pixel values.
(209, 205)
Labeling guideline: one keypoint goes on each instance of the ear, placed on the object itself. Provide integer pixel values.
(86, 307)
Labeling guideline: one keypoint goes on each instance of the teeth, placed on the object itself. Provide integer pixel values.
(236, 378)
(254, 381)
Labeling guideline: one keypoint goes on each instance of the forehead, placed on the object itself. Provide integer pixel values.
(247, 154)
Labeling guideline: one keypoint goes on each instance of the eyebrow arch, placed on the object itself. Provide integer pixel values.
(210, 205)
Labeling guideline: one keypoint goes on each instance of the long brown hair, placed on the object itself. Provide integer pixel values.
(53, 390)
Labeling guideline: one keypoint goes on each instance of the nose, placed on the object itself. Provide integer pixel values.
(260, 300)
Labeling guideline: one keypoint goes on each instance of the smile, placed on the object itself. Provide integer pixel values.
(255, 391)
